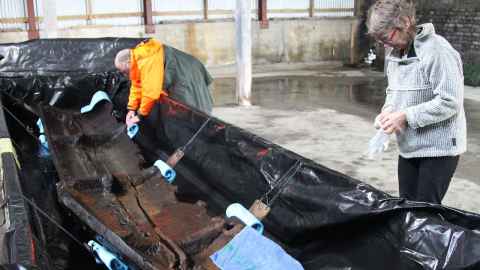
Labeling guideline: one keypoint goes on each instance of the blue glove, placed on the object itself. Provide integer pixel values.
(132, 130)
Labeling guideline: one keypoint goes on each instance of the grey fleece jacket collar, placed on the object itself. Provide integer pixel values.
(427, 30)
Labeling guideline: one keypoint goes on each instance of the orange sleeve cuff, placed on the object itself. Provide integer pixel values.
(146, 105)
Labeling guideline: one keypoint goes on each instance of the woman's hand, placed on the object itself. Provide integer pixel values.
(393, 121)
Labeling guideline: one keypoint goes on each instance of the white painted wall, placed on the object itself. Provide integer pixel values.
(213, 42)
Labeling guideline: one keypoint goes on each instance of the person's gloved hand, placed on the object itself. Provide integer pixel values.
(131, 118)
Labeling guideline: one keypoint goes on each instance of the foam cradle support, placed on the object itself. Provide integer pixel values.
(97, 97)
(132, 130)
(40, 126)
(167, 172)
(102, 255)
(237, 210)
(44, 151)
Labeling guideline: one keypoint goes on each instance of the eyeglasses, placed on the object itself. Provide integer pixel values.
(387, 39)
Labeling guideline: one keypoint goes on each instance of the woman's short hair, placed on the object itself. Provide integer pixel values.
(387, 14)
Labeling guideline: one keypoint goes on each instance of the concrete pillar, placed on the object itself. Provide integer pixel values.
(243, 43)
(50, 21)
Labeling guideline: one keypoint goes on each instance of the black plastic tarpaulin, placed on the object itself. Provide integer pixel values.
(16, 244)
(16, 238)
(325, 219)
(61, 72)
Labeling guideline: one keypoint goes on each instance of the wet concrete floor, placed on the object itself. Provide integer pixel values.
(329, 119)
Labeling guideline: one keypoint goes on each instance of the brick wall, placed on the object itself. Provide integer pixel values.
(456, 20)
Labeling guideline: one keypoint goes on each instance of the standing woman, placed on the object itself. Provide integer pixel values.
(424, 99)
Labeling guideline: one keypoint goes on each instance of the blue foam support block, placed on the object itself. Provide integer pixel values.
(40, 126)
(44, 151)
(167, 172)
(106, 257)
(97, 97)
(239, 211)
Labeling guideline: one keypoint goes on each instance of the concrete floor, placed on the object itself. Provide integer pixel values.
(326, 114)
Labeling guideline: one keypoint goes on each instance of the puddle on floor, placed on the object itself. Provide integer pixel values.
(356, 96)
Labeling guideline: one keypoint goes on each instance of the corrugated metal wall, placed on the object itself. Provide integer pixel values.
(221, 9)
(177, 10)
(111, 12)
(12, 15)
(301, 8)
(95, 12)
(129, 12)
(68, 13)
(218, 9)
(334, 8)
(288, 9)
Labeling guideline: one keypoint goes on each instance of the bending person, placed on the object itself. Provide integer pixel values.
(155, 70)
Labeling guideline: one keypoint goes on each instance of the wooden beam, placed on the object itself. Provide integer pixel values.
(32, 22)
(14, 20)
(262, 13)
(299, 10)
(334, 10)
(148, 17)
(358, 4)
(205, 9)
(89, 11)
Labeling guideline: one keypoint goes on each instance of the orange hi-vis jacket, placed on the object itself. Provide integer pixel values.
(147, 70)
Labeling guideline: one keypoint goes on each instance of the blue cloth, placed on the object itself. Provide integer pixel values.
(97, 97)
(250, 250)
(239, 211)
(167, 172)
